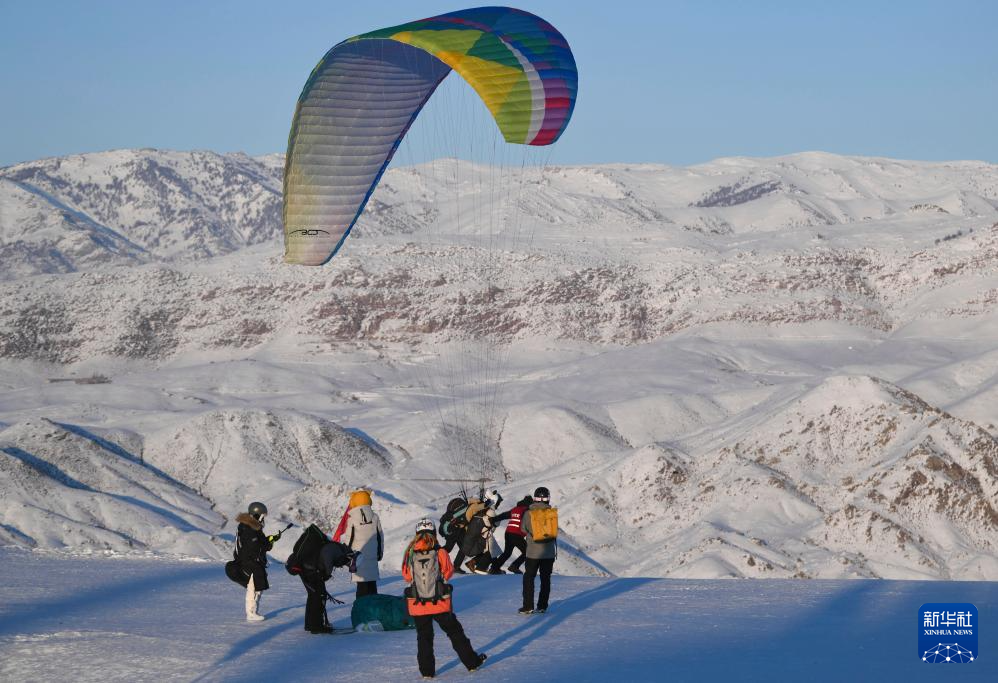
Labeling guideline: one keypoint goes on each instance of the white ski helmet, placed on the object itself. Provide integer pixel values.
(493, 498)
(425, 524)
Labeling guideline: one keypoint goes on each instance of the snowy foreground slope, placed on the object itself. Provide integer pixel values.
(82, 619)
(767, 368)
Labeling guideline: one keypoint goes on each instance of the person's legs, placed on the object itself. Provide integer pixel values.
(520, 543)
(528, 584)
(546, 566)
(507, 551)
(424, 646)
(315, 608)
(252, 601)
(459, 558)
(482, 562)
(367, 588)
(462, 646)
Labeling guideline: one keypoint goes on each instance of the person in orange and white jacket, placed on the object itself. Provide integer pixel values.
(427, 567)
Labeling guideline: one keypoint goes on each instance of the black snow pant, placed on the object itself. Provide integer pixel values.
(456, 540)
(424, 642)
(513, 542)
(545, 567)
(315, 602)
(483, 561)
(367, 588)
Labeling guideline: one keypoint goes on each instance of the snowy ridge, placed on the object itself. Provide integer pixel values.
(228, 456)
(162, 205)
(64, 486)
(754, 367)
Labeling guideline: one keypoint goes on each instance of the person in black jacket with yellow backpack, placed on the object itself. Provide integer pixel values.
(540, 524)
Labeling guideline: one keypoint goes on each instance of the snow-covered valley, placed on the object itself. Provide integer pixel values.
(750, 368)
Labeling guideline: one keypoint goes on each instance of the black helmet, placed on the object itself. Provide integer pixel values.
(542, 495)
(526, 500)
(257, 510)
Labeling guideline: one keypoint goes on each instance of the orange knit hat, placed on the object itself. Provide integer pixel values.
(358, 498)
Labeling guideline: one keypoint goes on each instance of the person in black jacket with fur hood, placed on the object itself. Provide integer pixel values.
(251, 555)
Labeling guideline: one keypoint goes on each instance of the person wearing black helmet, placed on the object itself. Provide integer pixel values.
(251, 555)
(540, 525)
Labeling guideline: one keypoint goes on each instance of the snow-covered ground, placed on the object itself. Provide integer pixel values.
(100, 619)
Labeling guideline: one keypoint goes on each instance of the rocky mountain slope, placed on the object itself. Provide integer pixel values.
(753, 367)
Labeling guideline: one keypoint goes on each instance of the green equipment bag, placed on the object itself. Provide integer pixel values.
(381, 613)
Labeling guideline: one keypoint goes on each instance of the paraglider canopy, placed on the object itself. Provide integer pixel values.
(366, 92)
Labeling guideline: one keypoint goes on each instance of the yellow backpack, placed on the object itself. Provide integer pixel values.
(544, 524)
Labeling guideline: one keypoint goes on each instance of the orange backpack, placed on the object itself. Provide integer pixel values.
(544, 524)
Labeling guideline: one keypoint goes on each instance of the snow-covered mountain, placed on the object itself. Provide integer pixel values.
(66, 486)
(753, 367)
(132, 206)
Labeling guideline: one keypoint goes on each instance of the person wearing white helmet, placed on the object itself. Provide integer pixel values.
(478, 537)
(427, 568)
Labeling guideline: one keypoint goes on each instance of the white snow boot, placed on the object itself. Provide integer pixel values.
(252, 603)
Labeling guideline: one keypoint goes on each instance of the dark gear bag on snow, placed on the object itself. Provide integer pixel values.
(381, 613)
(233, 571)
(305, 554)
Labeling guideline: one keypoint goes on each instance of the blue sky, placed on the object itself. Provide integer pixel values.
(667, 82)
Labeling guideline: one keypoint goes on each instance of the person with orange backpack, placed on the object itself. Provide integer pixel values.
(427, 567)
(540, 524)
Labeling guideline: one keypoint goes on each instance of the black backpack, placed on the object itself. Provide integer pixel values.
(454, 520)
(305, 554)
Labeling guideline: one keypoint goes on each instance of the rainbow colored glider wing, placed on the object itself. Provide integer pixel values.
(365, 93)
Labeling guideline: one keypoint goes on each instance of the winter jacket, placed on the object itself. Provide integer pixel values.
(476, 538)
(547, 550)
(475, 508)
(363, 533)
(417, 608)
(332, 556)
(251, 550)
(515, 517)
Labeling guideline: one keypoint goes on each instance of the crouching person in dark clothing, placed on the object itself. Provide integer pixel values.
(427, 567)
(313, 561)
(540, 525)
